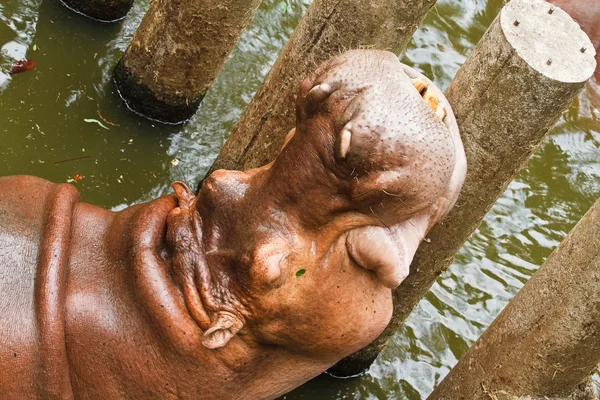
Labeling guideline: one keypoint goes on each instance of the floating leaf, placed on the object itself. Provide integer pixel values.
(174, 162)
(284, 6)
(35, 47)
(77, 177)
(70, 180)
(95, 121)
(300, 272)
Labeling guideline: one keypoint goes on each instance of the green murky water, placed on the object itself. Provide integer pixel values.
(43, 132)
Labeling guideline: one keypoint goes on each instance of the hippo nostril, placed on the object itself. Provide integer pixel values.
(346, 136)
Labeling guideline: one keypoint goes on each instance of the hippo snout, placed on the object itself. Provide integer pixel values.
(379, 143)
(392, 131)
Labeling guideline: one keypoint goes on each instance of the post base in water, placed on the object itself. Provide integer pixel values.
(143, 101)
(351, 367)
(101, 10)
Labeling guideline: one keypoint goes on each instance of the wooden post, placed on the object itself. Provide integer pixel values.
(328, 28)
(524, 72)
(176, 54)
(546, 342)
(102, 10)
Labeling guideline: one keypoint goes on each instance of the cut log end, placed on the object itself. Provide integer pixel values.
(549, 40)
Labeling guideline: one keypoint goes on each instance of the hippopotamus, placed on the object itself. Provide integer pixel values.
(261, 281)
(587, 14)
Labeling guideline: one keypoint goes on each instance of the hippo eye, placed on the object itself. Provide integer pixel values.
(429, 97)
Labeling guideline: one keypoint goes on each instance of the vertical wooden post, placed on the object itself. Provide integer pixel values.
(176, 54)
(524, 72)
(546, 342)
(328, 28)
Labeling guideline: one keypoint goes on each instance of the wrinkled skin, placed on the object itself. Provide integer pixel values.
(201, 296)
(587, 14)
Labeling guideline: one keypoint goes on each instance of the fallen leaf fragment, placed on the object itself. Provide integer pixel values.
(76, 178)
(21, 66)
(95, 121)
(559, 367)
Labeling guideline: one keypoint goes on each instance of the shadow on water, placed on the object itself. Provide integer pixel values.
(42, 122)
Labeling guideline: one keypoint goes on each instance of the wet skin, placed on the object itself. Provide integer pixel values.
(260, 282)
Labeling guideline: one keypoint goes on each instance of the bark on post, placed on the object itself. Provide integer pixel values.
(102, 10)
(546, 342)
(328, 28)
(176, 54)
(524, 72)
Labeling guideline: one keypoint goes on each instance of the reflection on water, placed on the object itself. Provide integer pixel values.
(43, 133)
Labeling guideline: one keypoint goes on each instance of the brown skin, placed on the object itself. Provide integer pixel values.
(199, 296)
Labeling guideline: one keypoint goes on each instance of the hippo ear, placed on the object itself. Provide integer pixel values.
(222, 330)
(184, 194)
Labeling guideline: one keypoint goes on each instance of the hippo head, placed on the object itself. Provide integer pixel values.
(302, 253)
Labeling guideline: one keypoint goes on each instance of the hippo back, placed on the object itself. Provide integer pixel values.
(34, 214)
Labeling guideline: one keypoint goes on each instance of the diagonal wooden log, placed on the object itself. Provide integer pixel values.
(328, 28)
(546, 342)
(512, 89)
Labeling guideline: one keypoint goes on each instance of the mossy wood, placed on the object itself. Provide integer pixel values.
(546, 342)
(176, 54)
(512, 89)
(328, 28)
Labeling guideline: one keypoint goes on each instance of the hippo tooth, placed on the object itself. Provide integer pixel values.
(431, 100)
(319, 92)
(419, 84)
(441, 112)
(345, 141)
(325, 88)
